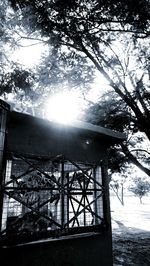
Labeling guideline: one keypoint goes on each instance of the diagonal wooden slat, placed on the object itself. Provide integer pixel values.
(18, 177)
(33, 209)
(84, 207)
(77, 211)
(42, 172)
(82, 198)
(85, 173)
(76, 218)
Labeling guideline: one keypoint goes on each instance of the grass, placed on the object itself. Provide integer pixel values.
(131, 231)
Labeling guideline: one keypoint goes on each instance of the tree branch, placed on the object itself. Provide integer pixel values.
(134, 160)
(140, 150)
(125, 97)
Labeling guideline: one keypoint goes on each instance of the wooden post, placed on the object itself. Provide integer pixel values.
(62, 196)
(106, 204)
(4, 108)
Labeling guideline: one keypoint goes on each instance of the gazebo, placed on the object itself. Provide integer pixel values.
(54, 191)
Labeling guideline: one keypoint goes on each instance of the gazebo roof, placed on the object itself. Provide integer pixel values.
(118, 136)
(80, 141)
(81, 126)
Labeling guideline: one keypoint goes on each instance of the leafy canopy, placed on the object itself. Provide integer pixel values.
(87, 17)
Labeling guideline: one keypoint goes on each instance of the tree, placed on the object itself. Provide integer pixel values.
(54, 72)
(112, 36)
(117, 183)
(49, 16)
(14, 78)
(93, 29)
(113, 113)
(140, 187)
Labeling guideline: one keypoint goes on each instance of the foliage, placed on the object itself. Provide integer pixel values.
(109, 111)
(17, 81)
(94, 29)
(87, 26)
(119, 179)
(54, 72)
(112, 112)
(14, 78)
(49, 16)
(110, 35)
(140, 187)
(63, 70)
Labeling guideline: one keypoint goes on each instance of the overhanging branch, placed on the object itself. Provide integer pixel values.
(134, 160)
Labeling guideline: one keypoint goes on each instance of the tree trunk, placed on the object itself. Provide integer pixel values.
(122, 194)
(141, 200)
(117, 194)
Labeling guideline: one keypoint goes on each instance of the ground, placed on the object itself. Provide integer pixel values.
(131, 231)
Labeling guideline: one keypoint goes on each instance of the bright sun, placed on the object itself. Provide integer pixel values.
(63, 107)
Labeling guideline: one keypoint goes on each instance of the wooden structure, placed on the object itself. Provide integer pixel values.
(54, 192)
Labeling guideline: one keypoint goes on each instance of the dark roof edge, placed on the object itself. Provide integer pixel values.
(100, 130)
(80, 125)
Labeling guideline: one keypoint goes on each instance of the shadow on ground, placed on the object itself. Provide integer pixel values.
(130, 246)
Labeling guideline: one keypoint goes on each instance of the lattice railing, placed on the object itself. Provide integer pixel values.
(51, 195)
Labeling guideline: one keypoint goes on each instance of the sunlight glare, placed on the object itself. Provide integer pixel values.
(30, 55)
(63, 107)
